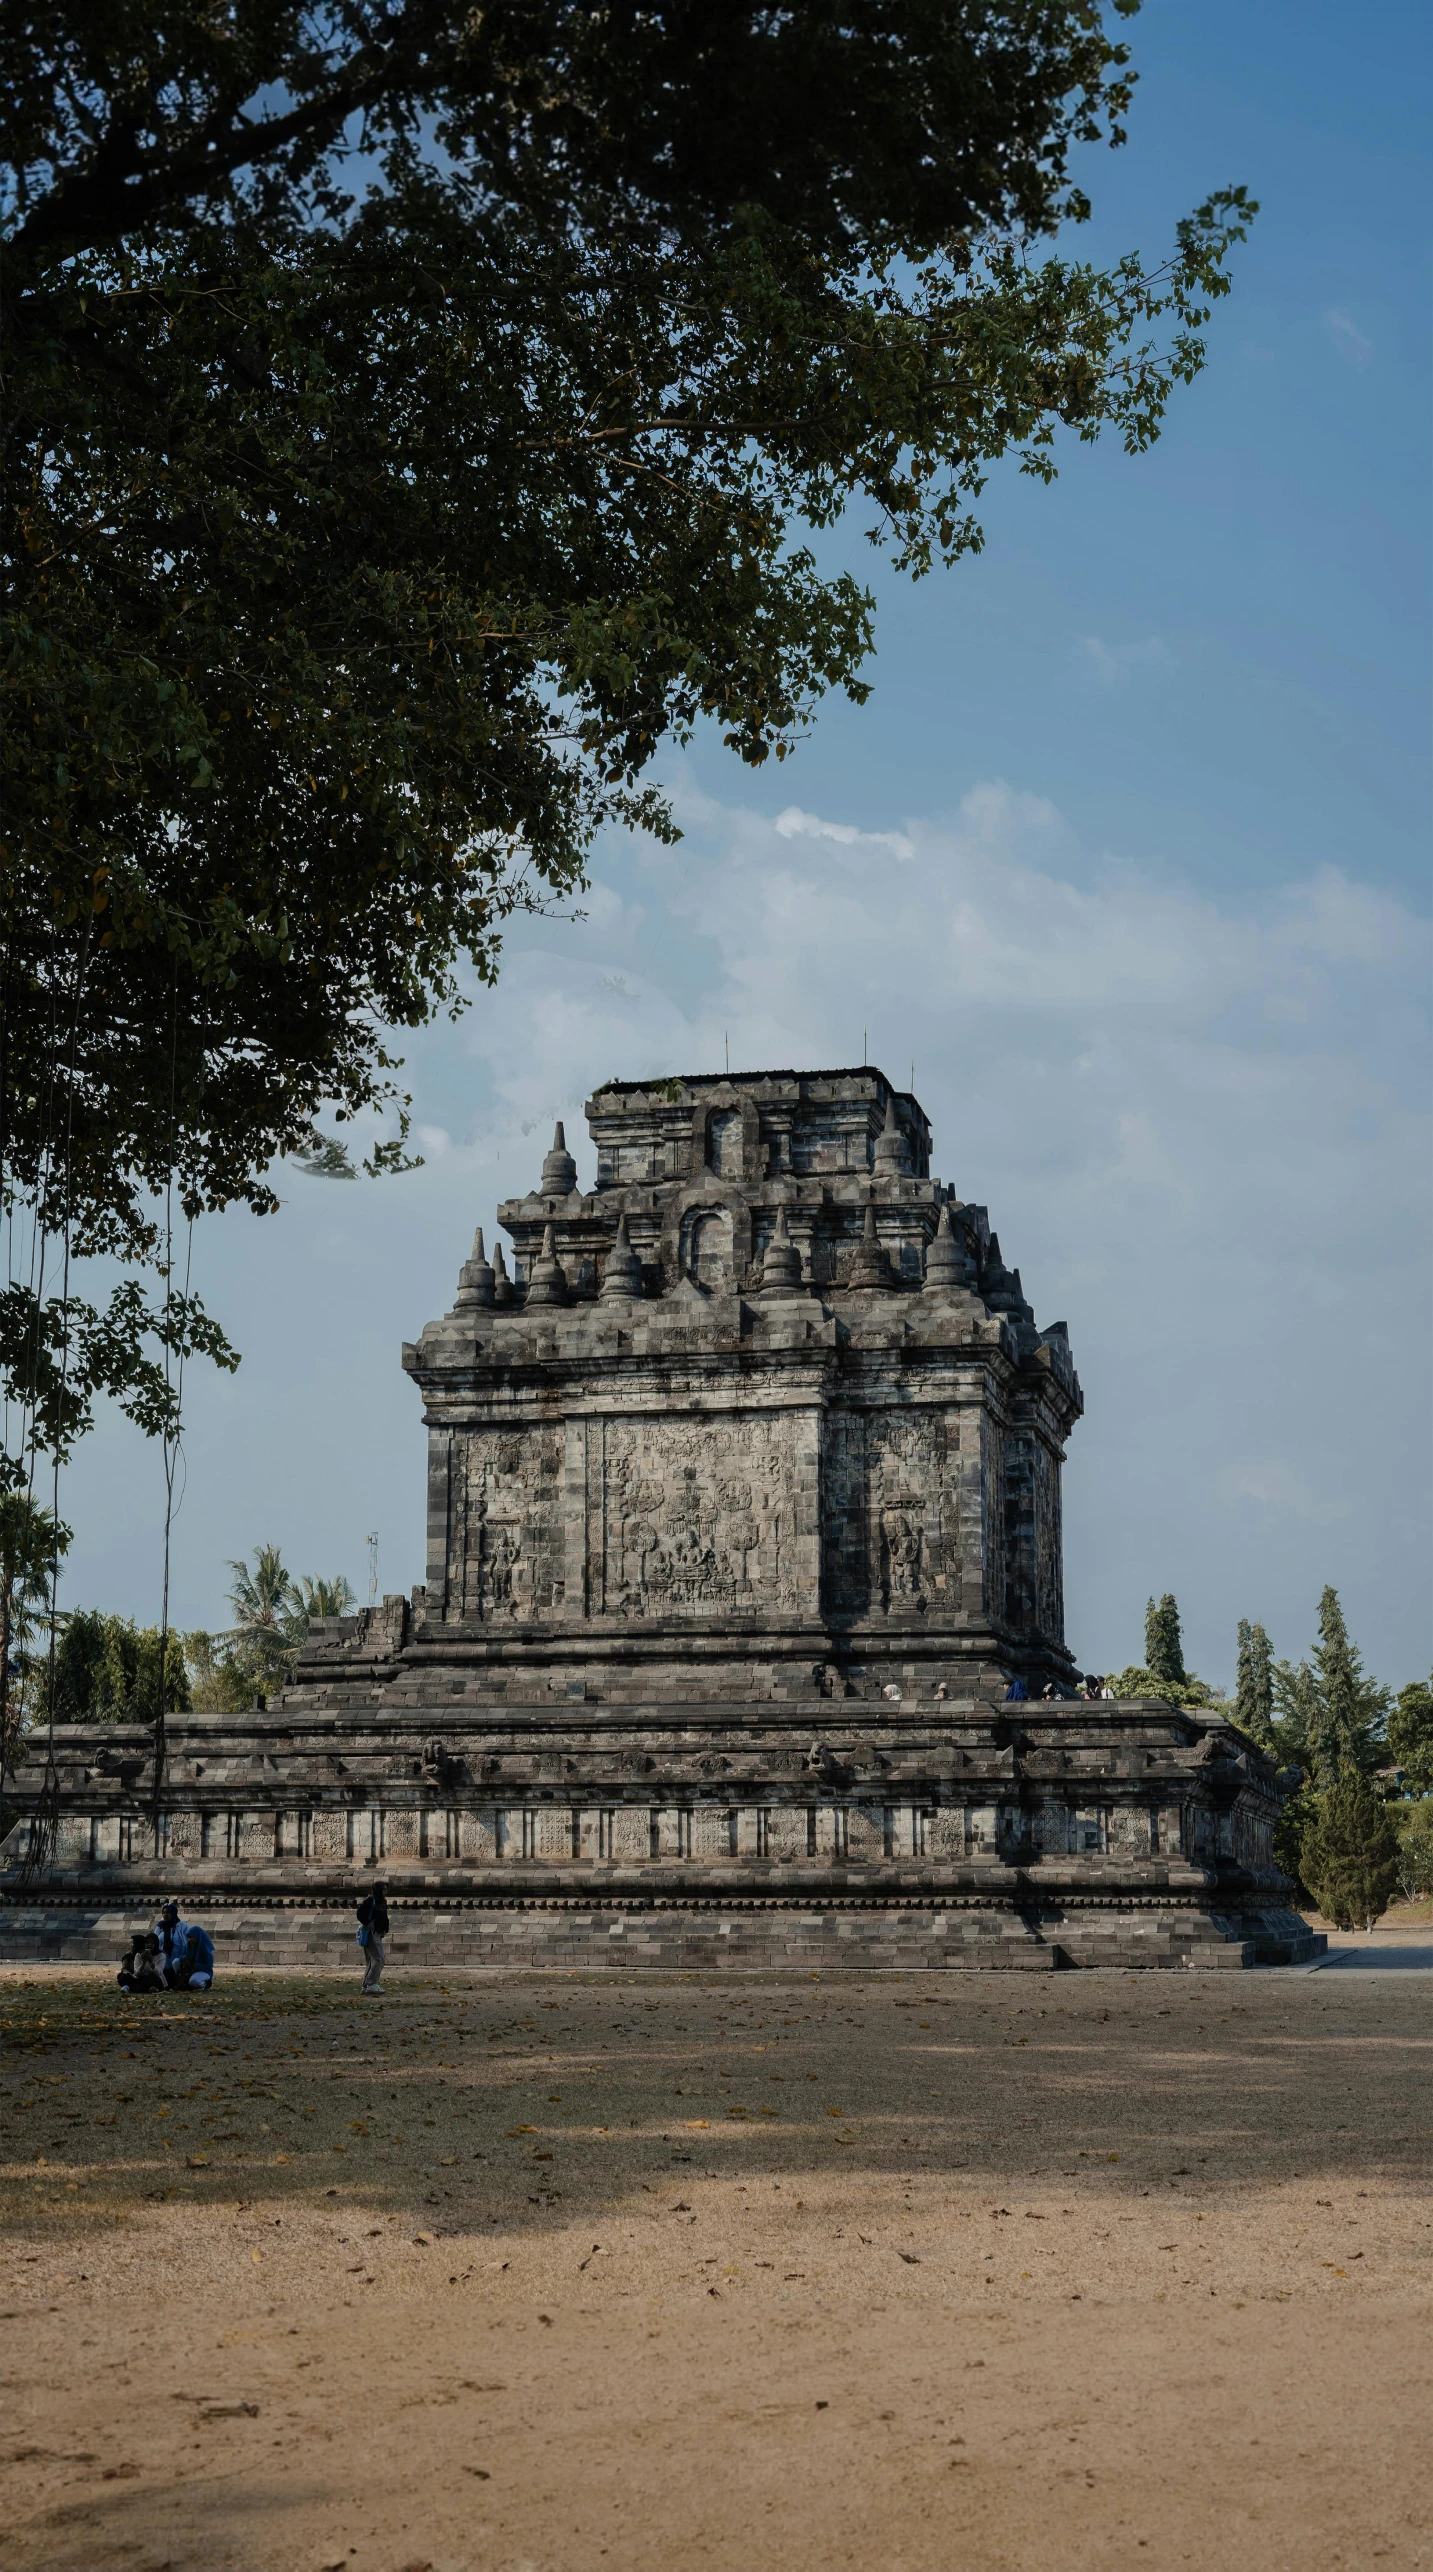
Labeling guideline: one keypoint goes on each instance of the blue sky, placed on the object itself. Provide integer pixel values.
(1128, 853)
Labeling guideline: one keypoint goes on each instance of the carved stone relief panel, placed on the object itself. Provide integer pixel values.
(946, 1833)
(329, 1838)
(714, 1830)
(788, 1831)
(699, 1517)
(184, 1838)
(1129, 1830)
(507, 1534)
(914, 1509)
(865, 1832)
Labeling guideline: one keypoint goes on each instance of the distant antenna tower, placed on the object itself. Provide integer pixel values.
(372, 1544)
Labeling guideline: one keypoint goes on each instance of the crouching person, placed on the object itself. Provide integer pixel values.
(143, 1968)
(193, 1968)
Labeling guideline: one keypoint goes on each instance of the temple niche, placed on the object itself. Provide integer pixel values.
(743, 1517)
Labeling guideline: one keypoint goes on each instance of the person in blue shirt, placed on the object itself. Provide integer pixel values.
(194, 1970)
(1017, 1692)
(186, 1952)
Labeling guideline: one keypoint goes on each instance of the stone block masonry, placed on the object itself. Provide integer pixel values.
(901, 1935)
(743, 1511)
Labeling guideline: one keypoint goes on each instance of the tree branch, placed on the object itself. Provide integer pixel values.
(93, 206)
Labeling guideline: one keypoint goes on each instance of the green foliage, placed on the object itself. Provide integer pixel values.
(1410, 1735)
(262, 1636)
(310, 1597)
(1254, 1686)
(412, 417)
(1137, 1680)
(219, 1683)
(1162, 1672)
(272, 1616)
(1349, 1853)
(1414, 1826)
(1163, 1643)
(1327, 1712)
(1297, 1817)
(59, 1352)
(1355, 1709)
(107, 1671)
(32, 1544)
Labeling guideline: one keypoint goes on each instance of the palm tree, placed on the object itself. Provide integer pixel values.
(313, 1596)
(262, 1601)
(32, 1540)
(273, 1613)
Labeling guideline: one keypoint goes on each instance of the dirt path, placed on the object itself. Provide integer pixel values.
(536, 2276)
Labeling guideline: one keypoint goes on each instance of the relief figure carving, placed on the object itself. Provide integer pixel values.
(511, 1537)
(699, 1517)
(903, 1545)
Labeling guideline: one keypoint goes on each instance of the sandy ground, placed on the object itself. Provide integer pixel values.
(976, 2274)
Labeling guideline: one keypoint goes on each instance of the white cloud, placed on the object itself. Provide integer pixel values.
(1111, 665)
(1347, 338)
(1278, 1487)
(1198, 1124)
(794, 824)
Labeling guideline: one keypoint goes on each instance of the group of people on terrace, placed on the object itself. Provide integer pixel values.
(1091, 1687)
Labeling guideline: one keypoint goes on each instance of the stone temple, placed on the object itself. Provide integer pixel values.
(743, 1512)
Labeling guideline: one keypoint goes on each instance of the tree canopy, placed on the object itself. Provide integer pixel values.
(107, 1671)
(1254, 1684)
(1329, 1714)
(1410, 1735)
(413, 416)
(1163, 1641)
(272, 1613)
(1349, 1853)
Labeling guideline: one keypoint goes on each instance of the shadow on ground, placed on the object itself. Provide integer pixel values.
(506, 2101)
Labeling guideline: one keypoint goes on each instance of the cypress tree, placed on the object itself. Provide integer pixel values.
(1254, 1691)
(1350, 1706)
(1349, 1856)
(1410, 1735)
(1163, 1647)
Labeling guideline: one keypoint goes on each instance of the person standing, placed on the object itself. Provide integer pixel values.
(373, 1938)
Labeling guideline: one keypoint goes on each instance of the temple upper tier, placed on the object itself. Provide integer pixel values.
(704, 1167)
